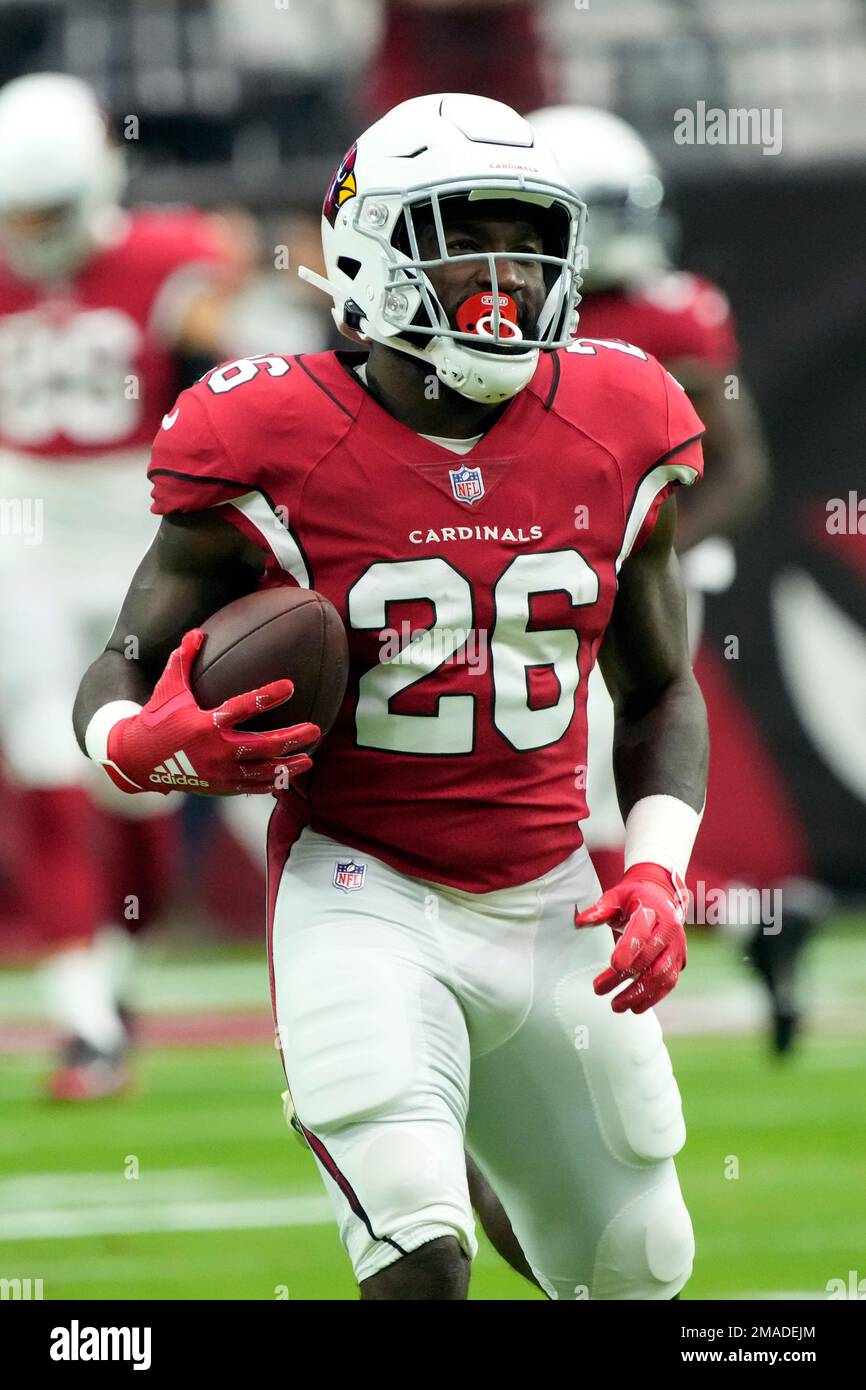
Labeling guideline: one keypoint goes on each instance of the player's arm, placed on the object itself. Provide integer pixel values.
(197, 563)
(660, 764)
(737, 477)
(135, 706)
(660, 739)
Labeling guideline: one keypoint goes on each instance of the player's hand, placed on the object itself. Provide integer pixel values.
(646, 911)
(173, 744)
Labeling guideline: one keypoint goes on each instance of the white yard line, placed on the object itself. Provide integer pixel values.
(60, 1206)
(64, 1223)
(36, 1191)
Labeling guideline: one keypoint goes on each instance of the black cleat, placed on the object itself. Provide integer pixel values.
(776, 956)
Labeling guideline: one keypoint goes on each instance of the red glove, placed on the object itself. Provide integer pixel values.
(174, 744)
(646, 911)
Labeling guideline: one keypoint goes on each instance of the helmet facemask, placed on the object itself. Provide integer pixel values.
(491, 351)
(493, 356)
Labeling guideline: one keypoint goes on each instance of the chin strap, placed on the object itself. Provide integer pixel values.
(456, 374)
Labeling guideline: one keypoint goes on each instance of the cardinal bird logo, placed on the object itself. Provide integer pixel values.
(342, 187)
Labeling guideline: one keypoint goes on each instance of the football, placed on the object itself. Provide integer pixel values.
(275, 634)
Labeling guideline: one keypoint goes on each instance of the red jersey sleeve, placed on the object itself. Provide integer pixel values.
(627, 402)
(245, 438)
(193, 468)
(190, 469)
(677, 434)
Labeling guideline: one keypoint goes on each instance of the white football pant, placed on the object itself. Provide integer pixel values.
(416, 1018)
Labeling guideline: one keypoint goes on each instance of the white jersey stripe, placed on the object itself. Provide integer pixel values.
(647, 492)
(278, 537)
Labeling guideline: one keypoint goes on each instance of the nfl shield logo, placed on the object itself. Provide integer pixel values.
(467, 484)
(349, 876)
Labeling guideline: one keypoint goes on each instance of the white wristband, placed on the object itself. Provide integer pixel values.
(101, 724)
(661, 830)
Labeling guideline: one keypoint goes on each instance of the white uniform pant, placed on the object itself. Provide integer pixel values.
(416, 1018)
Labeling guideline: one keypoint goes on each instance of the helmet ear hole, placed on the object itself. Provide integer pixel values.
(352, 315)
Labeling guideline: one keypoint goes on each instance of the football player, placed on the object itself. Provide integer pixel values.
(632, 291)
(96, 305)
(436, 926)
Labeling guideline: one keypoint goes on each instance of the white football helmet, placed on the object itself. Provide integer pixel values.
(608, 164)
(400, 173)
(55, 158)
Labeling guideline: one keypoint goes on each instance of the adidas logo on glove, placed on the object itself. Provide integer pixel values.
(177, 771)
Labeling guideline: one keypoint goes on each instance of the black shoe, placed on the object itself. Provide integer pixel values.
(776, 956)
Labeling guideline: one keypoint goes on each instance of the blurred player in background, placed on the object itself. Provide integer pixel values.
(491, 47)
(97, 308)
(631, 291)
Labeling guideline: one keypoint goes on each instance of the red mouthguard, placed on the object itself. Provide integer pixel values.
(475, 315)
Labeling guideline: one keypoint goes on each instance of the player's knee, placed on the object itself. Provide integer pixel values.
(646, 1251)
(407, 1187)
(439, 1269)
(414, 1180)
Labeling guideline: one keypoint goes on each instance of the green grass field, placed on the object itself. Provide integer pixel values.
(227, 1204)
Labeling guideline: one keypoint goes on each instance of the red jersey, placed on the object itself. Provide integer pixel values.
(679, 316)
(494, 50)
(86, 363)
(475, 589)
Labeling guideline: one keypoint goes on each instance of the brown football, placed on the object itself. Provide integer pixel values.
(272, 635)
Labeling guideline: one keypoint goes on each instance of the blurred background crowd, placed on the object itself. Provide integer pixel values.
(232, 115)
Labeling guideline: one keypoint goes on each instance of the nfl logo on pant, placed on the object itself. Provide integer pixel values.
(348, 875)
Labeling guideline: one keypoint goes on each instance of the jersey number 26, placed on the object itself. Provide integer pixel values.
(513, 650)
